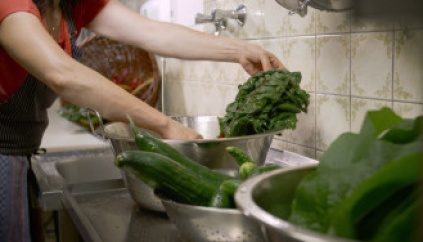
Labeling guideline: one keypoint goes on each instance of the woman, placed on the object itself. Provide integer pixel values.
(37, 41)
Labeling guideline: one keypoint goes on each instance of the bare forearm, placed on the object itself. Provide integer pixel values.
(44, 59)
(121, 23)
(162, 38)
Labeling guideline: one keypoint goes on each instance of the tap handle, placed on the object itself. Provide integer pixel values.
(203, 18)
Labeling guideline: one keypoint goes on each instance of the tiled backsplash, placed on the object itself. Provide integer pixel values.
(348, 66)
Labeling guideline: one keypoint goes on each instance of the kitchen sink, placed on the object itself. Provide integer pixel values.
(54, 170)
(86, 169)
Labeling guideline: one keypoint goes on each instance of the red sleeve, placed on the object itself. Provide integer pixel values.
(11, 6)
(85, 11)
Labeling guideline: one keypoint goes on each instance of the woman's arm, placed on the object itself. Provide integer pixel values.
(28, 43)
(118, 22)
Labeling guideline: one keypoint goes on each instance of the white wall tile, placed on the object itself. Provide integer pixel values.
(305, 132)
(363, 25)
(333, 64)
(359, 108)
(298, 54)
(408, 110)
(333, 22)
(408, 66)
(197, 98)
(332, 118)
(371, 65)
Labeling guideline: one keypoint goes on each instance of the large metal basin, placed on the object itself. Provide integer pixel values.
(267, 199)
(209, 151)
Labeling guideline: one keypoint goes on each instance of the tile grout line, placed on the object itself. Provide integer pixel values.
(393, 68)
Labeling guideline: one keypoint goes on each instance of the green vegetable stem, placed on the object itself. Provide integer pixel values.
(247, 168)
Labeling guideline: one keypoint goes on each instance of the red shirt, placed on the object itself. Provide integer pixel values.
(11, 73)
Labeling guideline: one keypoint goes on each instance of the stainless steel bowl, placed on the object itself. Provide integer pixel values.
(267, 199)
(197, 224)
(209, 151)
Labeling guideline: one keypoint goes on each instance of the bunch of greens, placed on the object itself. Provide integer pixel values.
(266, 102)
(366, 185)
(79, 115)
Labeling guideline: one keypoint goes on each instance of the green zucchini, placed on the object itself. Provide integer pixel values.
(146, 142)
(168, 177)
(224, 197)
(247, 168)
(240, 156)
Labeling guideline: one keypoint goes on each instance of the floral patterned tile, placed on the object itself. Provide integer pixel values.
(332, 118)
(408, 22)
(295, 25)
(333, 64)
(298, 149)
(408, 110)
(371, 65)
(298, 54)
(333, 22)
(197, 98)
(366, 25)
(408, 66)
(359, 108)
(305, 132)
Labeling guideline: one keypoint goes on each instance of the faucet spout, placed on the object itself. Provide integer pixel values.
(203, 18)
(219, 17)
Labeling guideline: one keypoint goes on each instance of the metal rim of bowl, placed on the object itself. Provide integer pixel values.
(233, 211)
(245, 202)
(100, 131)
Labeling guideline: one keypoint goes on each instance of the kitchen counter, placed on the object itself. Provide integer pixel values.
(63, 135)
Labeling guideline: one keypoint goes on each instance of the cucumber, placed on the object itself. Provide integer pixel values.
(247, 168)
(146, 142)
(168, 177)
(224, 197)
(240, 156)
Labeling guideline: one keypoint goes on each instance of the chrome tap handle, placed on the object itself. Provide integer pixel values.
(203, 18)
(302, 8)
(240, 15)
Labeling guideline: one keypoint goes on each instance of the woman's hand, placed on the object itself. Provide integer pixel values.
(255, 59)
(176, 130)
(118, 22)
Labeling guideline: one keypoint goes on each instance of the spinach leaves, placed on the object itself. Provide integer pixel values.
(366, 185)
(266, 102)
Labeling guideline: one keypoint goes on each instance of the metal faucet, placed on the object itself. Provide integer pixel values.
(220, 17)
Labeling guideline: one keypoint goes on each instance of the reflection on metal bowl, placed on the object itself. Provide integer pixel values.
(196, 223)
(267, 199)
(209, 151)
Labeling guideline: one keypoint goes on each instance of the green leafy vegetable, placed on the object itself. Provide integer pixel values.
(79, 115)
(266, 102)
(363, 180)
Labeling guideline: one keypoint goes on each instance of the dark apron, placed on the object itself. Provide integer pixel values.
(23, 120)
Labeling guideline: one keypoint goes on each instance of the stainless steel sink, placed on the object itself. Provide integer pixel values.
(53, 170)
(86, 169)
